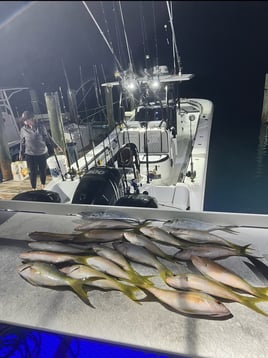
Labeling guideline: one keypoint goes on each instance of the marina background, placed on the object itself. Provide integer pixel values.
(223, 43)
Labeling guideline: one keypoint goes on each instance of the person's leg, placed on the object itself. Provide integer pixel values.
(32, 166)
(42, 161)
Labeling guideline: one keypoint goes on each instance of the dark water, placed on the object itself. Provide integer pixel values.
(238, 164)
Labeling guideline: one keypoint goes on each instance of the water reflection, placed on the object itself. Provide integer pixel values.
(262, 150)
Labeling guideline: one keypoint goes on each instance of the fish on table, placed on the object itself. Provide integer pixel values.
(204, 284)
(191, 303)
(194, 224)
(103, 281)
(46, 274)
(221, 274)
(210, 251)
(142, 255)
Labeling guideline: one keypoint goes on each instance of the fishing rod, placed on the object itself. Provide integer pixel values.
(174, 43)
(144, 38)
(146, 148)
(58, 164)
(83, 90)
(79, 131)
(75, 156)
(192, 174)
(155, 40)
(92, 142)
(102, 34)
(125, 34)
(62, 100)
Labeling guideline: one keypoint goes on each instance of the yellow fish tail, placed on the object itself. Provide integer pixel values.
(251, 302)
(78, 289)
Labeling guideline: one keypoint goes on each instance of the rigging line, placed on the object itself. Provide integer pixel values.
(96, 85)
(144, 37)
(83, 99)
(106, 23)
(83, 90)
(102, 34)
(128, 50)
(109, 139)
(155, 36)
(121, 52)
(173, 36)
(78, 127)
(107, 26)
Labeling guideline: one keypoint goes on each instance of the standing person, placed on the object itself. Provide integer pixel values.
(34, 142)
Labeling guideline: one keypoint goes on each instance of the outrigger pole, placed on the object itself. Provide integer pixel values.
(80, 136)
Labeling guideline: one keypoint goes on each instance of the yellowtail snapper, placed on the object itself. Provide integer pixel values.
(227, 277)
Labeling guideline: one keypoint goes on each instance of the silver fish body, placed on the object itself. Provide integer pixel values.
(46, 256)
(103, 280)
(100, 224)
(143, 241)
(107, 266)
(55, 247)
(206, 250)
(187, 223)
(104, 235)
(113, 255)
(200, 283)
(225, 276)
(43, 274)
(192, 303)
(142, 255)
(160, 235)
(214, 288)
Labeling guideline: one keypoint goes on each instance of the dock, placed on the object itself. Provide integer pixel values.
(10, 188)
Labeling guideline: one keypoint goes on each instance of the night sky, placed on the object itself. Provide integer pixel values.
(224, 43)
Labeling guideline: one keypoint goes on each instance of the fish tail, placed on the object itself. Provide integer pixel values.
(138, 279)
(130, 292)
(244, 250)
(251, 302)
(262, 292)
(78, 289)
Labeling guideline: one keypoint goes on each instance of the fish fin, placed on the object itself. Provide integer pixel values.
(138, 279)
(78, 289)
(251, 302)
(228, 229)
(164, 273)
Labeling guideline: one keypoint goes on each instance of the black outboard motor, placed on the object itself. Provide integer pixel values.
(100, 186)
(137, 200)
(39, 195)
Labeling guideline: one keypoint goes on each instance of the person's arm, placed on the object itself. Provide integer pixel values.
(53, 143)
(49, 140)
(22, 145)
